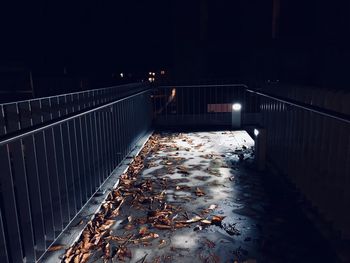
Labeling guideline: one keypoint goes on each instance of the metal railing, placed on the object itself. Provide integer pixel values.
(198, 105)
(311, 146)
(50, 172)
(27, 114)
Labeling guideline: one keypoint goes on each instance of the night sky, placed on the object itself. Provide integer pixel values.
(88, 35)
(194, 39)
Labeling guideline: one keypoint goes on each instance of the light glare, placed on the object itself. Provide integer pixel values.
(256, 132)
(236, 106)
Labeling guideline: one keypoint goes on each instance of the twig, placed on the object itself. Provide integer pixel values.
(142, 260)
(126, 241)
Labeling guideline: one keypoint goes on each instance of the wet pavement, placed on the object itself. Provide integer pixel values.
(197, 198)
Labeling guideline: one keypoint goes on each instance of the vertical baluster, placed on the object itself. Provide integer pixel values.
(31, 164)
(74, 163)
(20, 179)
(46, 196)
(3, 246)
(2, 121)
(61, 171)
(70, 178)
(81, 152)
(9, 207)
(53, 180)
(89, 154)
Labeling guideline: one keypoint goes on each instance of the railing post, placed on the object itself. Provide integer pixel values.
(236, 115)
(260, 148)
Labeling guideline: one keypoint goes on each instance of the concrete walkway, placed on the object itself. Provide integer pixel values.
(197, 199)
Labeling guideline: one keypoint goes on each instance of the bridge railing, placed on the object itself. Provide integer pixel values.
(311, 145)
(49, 172)
(17, 116)
(200, 105)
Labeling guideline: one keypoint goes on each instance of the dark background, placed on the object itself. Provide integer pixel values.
(88, 43)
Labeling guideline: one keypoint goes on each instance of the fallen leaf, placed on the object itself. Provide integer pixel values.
(162, 226)
(143, 230)
(123, 252)
(56, 248)
(199, 192)
(162, 242)
(206, 221)
(217, 219)
(129, 227)
(194, 219)
(107, 250)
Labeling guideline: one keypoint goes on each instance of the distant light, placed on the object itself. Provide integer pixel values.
(150, 73)
(236, 107)
(153, 73)
(150, 79)
(173, 93)
(256, 132)
(162, 72)
(122, 75)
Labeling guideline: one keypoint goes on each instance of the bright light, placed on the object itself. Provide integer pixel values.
(153, 73)
(122, 75)
(150, 73)
(236, 106)
(256, 132)
(150, 79)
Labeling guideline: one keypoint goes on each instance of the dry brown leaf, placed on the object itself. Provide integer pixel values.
(162, 242)
(123, 252)
(146, 237)
(194, 219)
(56, 248)
(199, 192)
(217, 219)
(77, 258)
(129, 227)
(86, 246)
(107, 250)
(143, 231)
(206, 221)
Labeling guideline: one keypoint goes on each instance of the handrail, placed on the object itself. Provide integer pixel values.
(45, 126)
(203, 85)
(73, 93)
(324, 112)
